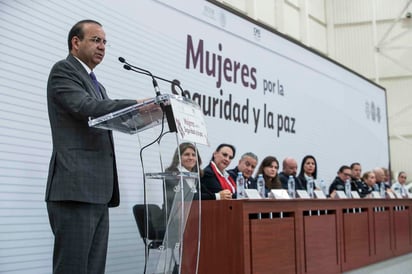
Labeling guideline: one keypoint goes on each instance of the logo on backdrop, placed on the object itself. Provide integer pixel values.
(372, 111)
(256, 33)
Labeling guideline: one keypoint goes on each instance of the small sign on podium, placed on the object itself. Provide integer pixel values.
(189, 121)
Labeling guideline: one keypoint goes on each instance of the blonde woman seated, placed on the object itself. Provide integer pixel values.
(370, 181)
(187, 161)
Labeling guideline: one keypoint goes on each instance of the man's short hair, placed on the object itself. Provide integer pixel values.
(77, 30)
(249, 154)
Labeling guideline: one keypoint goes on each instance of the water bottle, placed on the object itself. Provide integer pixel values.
(310, 187)
(382, 190)
(348, 189)
(322, 185)
(403, 191)
(261, 186)
(291, 187)
(240, 186)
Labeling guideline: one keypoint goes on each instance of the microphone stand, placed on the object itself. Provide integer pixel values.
(167, 110)
(128, 66)
(159, 98)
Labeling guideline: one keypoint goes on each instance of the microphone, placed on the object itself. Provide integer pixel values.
(166, 109)
(140, 70)
(128, 66)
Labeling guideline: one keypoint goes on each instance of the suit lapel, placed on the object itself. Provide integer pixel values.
(90, 88)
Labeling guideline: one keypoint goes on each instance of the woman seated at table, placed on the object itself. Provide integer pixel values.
(308, 170)
(185, 159)
(181, 186)
(216, 181)
(370, 180)
(269, 169)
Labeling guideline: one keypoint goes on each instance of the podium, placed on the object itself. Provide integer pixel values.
(162, 218)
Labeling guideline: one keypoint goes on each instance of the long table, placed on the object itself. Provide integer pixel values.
(301, 235)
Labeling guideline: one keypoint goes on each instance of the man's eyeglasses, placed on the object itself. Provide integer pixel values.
(97, 40)
(347, 174)
(403, 177)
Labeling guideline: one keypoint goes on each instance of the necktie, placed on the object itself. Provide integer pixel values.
(96, 85)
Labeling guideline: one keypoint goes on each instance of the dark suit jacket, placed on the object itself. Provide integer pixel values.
(337, 184)
(360, 186)
(210, 184)
(284, 180)
(303, 182)
(82, 166)
(250, 183)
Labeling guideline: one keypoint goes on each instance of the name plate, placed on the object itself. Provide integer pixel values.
(279, 193)
(319, 194)
(252, 194)
(341, 194)
(392, 195)
(302, 194)
(355, 194)
(376, 195)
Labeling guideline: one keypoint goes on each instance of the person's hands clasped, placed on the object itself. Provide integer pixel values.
(225, 194)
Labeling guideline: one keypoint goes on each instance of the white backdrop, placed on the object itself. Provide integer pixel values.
(325, 110)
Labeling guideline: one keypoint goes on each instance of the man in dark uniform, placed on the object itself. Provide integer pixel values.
(357, 183)
(344, 174)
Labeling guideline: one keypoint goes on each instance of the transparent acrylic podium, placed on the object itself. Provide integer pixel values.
(171, 232)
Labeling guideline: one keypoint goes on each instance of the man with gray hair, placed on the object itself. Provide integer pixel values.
(246, 165)
(380, 178)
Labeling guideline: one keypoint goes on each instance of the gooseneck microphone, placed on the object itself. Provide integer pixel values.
(167, 109)
(128, 66)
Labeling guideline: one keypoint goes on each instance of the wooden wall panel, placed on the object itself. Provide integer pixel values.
(321, 244)
(273, 245)
(401, 230)
(356, 240)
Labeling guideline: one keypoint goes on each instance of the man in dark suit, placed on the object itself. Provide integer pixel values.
(82, 181)
(290, 168)
(246, 165)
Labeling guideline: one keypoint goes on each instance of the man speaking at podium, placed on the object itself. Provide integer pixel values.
(82, 181)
